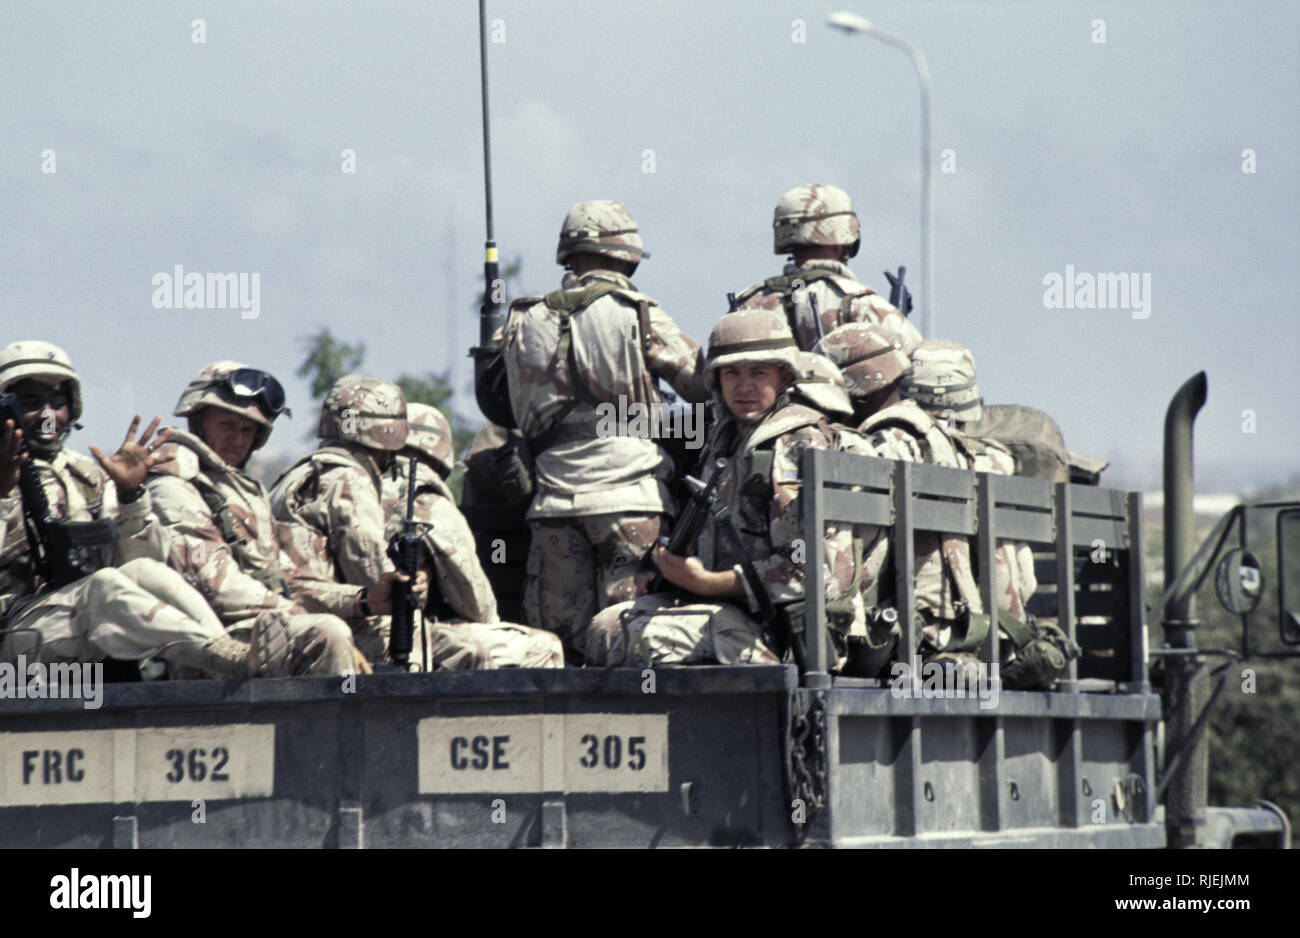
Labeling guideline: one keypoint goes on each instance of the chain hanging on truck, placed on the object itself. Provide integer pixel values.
(805, 763)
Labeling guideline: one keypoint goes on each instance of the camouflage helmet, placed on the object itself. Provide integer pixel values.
(750, 335)
(44, 361)
(215, 386)
(870, 357)
(815, 214)
(942, 379)
(363, 410)
(822, 383)
(600, 228)
(430, 434)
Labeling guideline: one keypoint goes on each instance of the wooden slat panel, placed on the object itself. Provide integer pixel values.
(940, 480)
(1089, 500)
(855, 469)
(857, 507)
(949, 517)
(1020, 490)
(1086, 530)
(1013, 525)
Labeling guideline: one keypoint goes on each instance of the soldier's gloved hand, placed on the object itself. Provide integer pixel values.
(11, 457)
(690, 574)
(133, 459)
(380, 596)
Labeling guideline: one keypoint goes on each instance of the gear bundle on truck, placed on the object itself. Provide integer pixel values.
(708, 756)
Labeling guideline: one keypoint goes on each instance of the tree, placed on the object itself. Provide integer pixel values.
(327, 360)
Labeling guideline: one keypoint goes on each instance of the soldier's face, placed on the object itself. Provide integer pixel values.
(230, 435)
(750, 390)
(47, 410)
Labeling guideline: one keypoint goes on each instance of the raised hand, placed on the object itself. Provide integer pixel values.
(11, 456)
(129, 466)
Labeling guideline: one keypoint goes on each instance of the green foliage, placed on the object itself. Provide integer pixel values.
(328, 360)
(435, 390)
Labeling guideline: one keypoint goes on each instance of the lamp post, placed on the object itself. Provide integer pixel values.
(852, 23)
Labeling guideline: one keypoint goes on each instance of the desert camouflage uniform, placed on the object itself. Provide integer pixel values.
(221, 537)
(459, 579)
(760, 485)
(599, 500)
(822, 215)
(135, 610)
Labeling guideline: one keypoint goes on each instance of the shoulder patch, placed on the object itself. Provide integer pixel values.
(86, 468)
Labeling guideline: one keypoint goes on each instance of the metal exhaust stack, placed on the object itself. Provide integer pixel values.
(1188, 683)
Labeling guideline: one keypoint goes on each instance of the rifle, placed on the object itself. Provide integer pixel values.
(899, 296)
(686, 531)
(777, 633)
(404, 551)
(61, 549)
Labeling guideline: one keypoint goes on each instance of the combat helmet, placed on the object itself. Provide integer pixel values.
(364, 410)
(812, 215)
(33, 359)
(600, 227)
(751, 335)
(821, 383)
(942, 378)
(430, 433)
(239, 389)
(871, 358)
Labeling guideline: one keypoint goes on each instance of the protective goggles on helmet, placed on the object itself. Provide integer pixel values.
(251, 383)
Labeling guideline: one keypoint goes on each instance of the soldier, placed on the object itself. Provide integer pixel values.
(131, 611)
(593, 348)
(464, 629)
(942, 382)
(220, 532)
(817, 227)
(948, 604)
(756, 570)
(331, 513)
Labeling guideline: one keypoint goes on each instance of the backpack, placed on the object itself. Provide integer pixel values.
(1032, 436)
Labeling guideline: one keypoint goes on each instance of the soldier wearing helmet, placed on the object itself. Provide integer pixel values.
(753, 364)
(942, 382)
(330, 510)
(600, 498)
(221, 533)
(816, 225)
(131, 610)
(462, 626)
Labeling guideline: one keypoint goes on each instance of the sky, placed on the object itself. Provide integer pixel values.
(1089, 137)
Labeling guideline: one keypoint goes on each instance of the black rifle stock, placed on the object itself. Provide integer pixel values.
(404, 551)
(60, 548)
(681, 541)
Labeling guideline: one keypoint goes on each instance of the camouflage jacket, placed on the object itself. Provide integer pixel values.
(218, 530)
(77, 489)
(617, 371)
(332, 527)
(1014, 561)
(448, 542)
(760, 485)
(840, 299)
(945, 578)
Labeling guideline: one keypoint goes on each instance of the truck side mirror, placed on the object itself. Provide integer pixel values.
(1239, 581)
(1288, 575)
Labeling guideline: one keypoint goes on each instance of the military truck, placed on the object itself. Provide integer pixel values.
(1114, 756)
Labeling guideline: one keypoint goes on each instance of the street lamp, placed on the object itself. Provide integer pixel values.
(852, 23)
